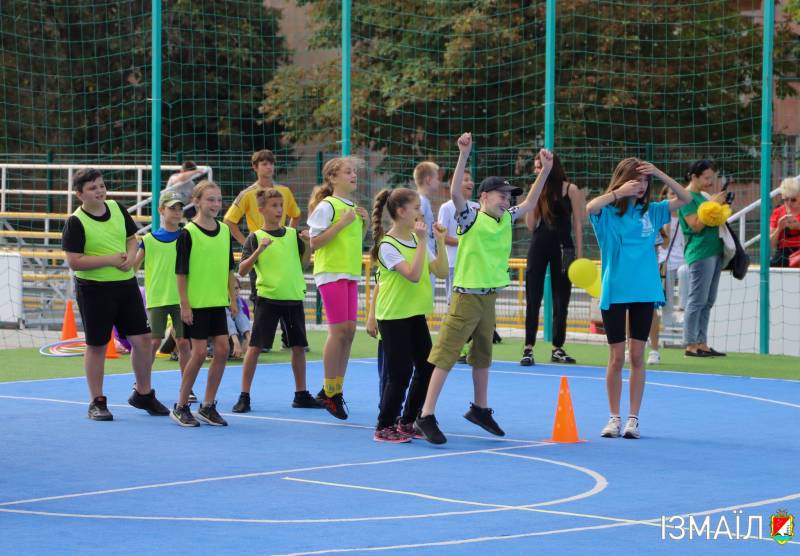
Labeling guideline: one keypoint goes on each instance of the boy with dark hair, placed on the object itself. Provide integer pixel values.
(100, 244)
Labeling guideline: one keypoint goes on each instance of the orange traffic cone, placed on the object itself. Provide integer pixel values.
(564, 428)
(68, 328)
(111, 349)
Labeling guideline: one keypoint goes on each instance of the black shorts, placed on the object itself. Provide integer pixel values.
(104, 305)
(640, 316)
(208, 322)
(267, 315)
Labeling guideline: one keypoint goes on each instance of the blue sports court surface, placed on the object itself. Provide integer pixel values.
(297, 481)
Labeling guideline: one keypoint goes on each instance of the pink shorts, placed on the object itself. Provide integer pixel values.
(340, 300)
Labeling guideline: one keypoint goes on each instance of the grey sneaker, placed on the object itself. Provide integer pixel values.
(209, 415)
(611, 430)
(98, 410)
(631, 428)
(183, 416)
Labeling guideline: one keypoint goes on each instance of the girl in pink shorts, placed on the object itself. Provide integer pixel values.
(337, 229)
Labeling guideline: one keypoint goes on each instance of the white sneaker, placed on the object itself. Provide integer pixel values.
(654, 358)
(611, 430)
(631, 428)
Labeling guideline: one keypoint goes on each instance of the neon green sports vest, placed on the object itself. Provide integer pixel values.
(279, 272)
(343, 252)
(483, 251)
(104, 238)
(398, 297)
(209, 267)
(160, 285)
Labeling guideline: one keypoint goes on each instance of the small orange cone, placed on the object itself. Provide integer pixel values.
(111, 349)
(564, 429)
(68, 328)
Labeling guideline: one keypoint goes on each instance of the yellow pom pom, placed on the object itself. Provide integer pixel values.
(713, 214)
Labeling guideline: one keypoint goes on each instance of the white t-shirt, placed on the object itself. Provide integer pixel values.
(676, 259)
(390, 256)
(447, 218)
(427, 216)
(319, 221)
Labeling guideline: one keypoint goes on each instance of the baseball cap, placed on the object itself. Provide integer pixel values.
(169, 199)
(495, 183)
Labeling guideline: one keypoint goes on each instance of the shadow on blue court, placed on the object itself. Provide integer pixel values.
(297, 481)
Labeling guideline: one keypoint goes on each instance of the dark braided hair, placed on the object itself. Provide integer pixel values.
(393, 199)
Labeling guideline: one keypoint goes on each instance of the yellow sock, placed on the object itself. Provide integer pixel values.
(339, 384)
(330, 387)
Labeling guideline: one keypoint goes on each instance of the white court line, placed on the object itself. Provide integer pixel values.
(281, 419)
(650, 522)
(463, 368)
(275, 472)
(600, 484)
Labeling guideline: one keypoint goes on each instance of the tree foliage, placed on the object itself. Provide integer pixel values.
(76, 77)
(628, 74)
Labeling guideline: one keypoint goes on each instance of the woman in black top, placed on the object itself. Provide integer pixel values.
(558, 215)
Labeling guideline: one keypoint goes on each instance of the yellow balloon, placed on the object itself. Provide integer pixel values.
(594, 289)
(582, 273)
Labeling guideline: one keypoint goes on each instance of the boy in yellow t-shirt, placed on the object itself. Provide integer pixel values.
(245, 205)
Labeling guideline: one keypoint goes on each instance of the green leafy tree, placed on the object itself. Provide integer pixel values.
(674, 76)
(75, 77)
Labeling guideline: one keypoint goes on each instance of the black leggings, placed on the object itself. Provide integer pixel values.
(543, 251)
(406, 346)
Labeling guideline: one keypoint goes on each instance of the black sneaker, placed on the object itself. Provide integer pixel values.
(208, 414)
(98, 410)
(482, 416)
(183, 416)
(192, 397)
(496, 339)
(148, 402)
(429, 428)
(173, 356)
(243, 405)
(335, 405)
(304, 399)
(527, 358)
(560, 356)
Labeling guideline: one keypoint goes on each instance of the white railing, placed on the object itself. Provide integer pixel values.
(142, 194)
(741, 217)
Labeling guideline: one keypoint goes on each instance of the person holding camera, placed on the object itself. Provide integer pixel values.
(703, 255)
(784, 225)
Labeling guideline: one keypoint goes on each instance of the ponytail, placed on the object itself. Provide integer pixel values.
(377, 220)
(317, 195)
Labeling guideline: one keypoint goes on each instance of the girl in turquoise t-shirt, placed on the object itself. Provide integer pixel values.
(626, 223)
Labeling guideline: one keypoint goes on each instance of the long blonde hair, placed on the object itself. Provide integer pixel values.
(329, 173)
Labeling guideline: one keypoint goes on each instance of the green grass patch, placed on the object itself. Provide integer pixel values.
(28, 364)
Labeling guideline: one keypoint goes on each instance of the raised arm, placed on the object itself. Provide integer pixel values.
(464, 148)
(684, 197)
(532, 199)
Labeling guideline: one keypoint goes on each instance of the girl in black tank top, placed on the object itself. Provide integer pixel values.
(560, 212)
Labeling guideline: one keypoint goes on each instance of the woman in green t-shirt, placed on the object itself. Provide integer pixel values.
(703, 255)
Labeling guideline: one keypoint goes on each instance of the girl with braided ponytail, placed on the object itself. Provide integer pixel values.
(337, 228)
(403, 299)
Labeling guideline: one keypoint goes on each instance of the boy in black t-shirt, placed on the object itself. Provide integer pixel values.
(101, 247)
